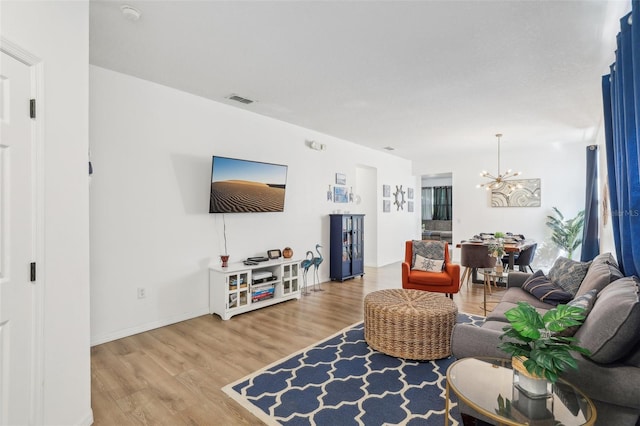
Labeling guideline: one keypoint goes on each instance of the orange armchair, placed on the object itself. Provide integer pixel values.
(447, 281)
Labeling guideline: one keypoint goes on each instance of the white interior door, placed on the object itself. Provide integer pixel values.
(17, 245)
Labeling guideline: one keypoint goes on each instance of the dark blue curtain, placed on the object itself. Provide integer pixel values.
(590, 239)
(442, 202)
(621, 94)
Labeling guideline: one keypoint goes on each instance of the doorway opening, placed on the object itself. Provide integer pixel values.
(437, 207)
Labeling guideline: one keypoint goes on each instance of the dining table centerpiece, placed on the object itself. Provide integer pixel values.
(539, 349)
(496, 250)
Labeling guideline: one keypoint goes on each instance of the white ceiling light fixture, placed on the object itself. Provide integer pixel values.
(501, 179)
(130, 12)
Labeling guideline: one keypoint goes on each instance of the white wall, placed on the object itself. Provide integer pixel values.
(58, 33)
(151, 149)
(561, 168)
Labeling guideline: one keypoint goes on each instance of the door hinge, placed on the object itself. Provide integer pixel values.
(33, 271)
(32, 108)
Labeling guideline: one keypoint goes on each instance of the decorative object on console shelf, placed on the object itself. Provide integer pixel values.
(224, 258)
(287, 253)
(274, 254)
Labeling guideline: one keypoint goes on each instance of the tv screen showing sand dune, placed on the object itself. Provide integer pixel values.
(243, 186)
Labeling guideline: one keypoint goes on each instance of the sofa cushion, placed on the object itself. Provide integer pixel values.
(428, 249)
(611, 330)
(516, 294)
(568, 274)
(497, 313)
(430, 278)
(603, 270)
(429, 265)
(545, 290)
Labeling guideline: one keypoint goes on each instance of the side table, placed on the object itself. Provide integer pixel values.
(490, 277)
(486, 386)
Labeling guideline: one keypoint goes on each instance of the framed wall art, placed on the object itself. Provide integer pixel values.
(340, 194)
(525, 194)
(341, 179)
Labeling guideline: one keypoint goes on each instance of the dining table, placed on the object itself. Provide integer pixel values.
(511, 248)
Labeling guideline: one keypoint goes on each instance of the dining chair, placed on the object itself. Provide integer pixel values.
(474, 256)
(523, 260)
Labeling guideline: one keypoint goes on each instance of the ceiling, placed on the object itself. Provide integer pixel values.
(412, 75)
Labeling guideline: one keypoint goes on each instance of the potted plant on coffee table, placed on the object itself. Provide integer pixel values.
(539, 351)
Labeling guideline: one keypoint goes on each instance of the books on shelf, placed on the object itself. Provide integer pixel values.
(262, 292)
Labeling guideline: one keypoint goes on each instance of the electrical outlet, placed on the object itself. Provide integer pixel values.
(142, 293)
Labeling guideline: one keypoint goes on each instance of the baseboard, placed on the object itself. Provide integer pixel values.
(98, 340)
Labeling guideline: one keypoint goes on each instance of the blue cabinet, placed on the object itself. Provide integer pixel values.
(347, 246)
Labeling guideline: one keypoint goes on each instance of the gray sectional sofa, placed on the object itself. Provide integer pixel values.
(610, 376)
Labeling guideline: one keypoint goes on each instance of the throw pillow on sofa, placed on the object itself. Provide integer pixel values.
(611, 330)
(568, 274)
(546, 291)
(586, 302)
(603, 270)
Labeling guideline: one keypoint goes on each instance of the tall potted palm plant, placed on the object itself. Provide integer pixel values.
(566, 233)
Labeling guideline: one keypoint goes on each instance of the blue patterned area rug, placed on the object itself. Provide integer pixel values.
(342, 381)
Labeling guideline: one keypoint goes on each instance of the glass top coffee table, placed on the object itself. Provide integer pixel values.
(486, 386)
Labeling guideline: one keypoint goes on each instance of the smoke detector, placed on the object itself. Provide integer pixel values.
(130, 12)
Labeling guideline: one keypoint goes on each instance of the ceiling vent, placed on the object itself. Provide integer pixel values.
(240, 99)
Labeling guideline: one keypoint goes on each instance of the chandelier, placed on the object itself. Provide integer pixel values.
(502, 179)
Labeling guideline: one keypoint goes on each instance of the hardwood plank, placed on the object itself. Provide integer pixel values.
(174, 374)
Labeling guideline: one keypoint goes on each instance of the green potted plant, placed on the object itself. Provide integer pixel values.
(566, 233)
(496, 249)
(537, 345)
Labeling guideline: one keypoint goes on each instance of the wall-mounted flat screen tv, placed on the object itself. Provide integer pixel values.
(243, 186)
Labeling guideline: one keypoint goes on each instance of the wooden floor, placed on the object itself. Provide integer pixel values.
(173, 375)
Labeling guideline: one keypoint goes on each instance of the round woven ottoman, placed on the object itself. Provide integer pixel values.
(410, 324)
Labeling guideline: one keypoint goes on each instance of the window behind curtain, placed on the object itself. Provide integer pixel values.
(427, 203)
(442, 202)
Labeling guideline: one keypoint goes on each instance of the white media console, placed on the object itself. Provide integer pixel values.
(240, 288)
